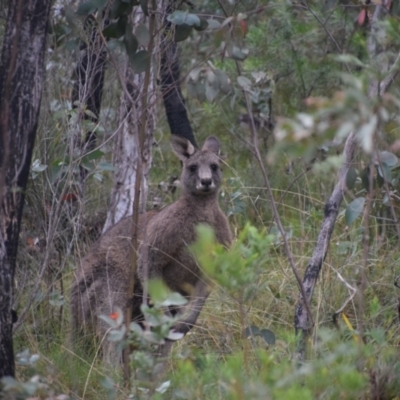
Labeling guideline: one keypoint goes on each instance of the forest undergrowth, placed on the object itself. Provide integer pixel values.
(220, 358)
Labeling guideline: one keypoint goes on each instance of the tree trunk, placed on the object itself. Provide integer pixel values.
(170, 82)
(88, 87)
(126, 150)
(126, 153)
(21, 78)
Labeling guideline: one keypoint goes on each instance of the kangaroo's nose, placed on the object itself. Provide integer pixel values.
(206, 182)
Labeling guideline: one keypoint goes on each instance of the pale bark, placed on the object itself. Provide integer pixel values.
(125, 154)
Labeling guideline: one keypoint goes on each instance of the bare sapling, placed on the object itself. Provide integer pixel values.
(102, 277)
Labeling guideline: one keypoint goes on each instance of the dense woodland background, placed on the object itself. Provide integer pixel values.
(293, 90)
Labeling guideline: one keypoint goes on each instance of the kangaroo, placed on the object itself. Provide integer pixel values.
(102, 277)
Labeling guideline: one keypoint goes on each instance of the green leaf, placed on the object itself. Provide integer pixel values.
(105, 166)
(354, 210)
(185, 18)
(238, 53)
(388, 158)
(365, 177)
(131, 43)
(120, 8)
(213, 24)
(140, 61)
(107, 383)
(385, 172)
(203, 25)
(134, 327)
(251, 331)
(91, 6)
(211, 92)
(351, 178)
(163, 387)
(344, 247)
(71, 45)
(93, 155)
(86, 8)
(268, 336)
(350, 59)
(117, 335)
(182, 32)
(116, 29)
(244, 83)
(142, 35)
(145, 7)
(174, 299)
(223, 81)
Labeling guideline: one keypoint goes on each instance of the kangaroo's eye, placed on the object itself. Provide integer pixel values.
(193, 168)
(214, 167)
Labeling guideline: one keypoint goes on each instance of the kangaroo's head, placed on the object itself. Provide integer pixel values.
(201, 174)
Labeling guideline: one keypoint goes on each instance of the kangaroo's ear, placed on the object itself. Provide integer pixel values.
(182, 147)
(212, 144)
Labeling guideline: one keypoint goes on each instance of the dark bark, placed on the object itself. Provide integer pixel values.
(89, 80)
(174, 102)
(21, 78)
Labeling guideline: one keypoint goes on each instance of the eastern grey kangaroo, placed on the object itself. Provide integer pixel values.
(101, 279)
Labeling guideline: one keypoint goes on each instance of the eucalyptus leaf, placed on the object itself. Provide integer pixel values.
(163, 387)
(386, 157)
(211, 92)
(213, 24)
(244, 83)
(117, 335)
(223, 81)
(86, 8)
(385, 171)
(354, 210)
(93, 155)
(203, 25)
(107, 383)
(182, 32)
(142, 35)
(186, 18)
(251, 331)
(116, 29)
(140, 61)
(174, 299)
(351, 178)
(131, 43)
(239, 54)
(105, 166)
(365, 178)
(145, 7)
(120, 8)
(268, 336)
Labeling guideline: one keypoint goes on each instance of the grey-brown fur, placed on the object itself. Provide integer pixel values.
(103, 275)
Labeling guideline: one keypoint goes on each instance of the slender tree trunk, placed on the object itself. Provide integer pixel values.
(21, 78)
(126, 150)
(89, 81)
(174, 102)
